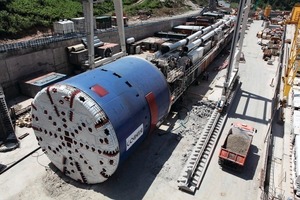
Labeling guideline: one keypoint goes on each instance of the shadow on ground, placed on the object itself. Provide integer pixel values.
(249, 97)
(134, 177)
(247, 173)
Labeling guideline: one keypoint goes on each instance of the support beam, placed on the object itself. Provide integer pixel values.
(244, 26)
(120, 22)
(89, 28)
(238, 36)
(8, 139)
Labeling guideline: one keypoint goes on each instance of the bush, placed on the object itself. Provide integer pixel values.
(20, 16)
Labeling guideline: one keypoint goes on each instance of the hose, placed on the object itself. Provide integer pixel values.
(7, 168)
(14, 144)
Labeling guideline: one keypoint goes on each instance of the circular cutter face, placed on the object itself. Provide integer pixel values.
(76, 134)
(90, 123)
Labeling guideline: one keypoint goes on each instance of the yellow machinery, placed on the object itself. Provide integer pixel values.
(294, 57)
(267, 11)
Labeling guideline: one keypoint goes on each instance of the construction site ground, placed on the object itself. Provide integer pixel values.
(157, 163)
(152, 171)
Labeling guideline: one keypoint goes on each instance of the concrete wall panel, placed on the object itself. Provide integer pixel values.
(60, 56)
(4, 76)
(24, 65)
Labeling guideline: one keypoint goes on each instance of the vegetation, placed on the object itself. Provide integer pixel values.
(18, 16)
(156, 7)
(276, 4)
(201, 2)
(27, 16)
(24, 16)
(21, 15)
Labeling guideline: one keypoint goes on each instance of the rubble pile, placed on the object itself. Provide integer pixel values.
(24, 120)
(204, 109)
(238, 143)
(193, 122)
(270, 38)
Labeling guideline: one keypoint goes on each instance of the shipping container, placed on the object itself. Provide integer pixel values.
(103, 22)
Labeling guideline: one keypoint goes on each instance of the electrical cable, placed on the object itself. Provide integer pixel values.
(7, 168)
(37, 159)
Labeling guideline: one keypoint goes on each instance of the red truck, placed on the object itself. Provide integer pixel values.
(234, 151)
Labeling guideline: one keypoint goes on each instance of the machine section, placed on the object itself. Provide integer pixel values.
(183, 61)
(90, 123)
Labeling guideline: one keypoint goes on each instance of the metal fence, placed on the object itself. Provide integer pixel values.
(38, 42)
(46, 40)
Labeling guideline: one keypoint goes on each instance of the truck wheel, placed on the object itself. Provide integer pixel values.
(220, 162)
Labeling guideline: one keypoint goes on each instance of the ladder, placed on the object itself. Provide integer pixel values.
(6, 126)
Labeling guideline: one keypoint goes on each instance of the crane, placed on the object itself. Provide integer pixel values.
(294, 57)
(236, 50)
(267, 12)
(88, 13)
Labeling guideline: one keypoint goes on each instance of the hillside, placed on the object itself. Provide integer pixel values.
(19, 18)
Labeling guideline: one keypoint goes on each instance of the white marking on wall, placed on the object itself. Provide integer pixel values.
(134, 136)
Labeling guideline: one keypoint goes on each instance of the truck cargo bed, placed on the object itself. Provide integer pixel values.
(236, 146)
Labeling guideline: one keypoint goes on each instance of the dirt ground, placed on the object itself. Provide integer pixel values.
(152, 170)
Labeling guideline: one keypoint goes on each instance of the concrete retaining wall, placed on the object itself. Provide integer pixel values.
(18, 65)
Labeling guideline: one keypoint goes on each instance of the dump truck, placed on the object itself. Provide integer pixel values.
(234, 151)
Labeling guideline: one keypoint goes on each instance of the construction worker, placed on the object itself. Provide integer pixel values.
(206, 75)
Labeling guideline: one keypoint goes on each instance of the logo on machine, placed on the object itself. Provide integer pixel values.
(134, 137)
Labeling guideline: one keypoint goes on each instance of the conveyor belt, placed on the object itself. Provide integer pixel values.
(196, 165)
(198, 161)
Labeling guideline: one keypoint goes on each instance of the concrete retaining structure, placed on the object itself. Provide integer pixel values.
(22, 63)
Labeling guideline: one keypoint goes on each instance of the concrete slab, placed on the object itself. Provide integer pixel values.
(281, 177)
(4, 76)
(60, 57)
(25, 173)
(27, 64)
(20, 102)
(287, 181)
